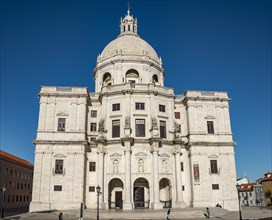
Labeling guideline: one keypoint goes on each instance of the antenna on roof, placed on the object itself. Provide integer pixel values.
(128, 11)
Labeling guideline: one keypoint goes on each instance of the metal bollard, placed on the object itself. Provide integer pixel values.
(81, 211)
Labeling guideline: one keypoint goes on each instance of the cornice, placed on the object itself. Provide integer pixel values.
(42, 94)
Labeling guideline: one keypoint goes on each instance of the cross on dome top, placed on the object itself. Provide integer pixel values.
(128, 25)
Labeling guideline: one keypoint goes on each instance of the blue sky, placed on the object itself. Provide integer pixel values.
(205, 45)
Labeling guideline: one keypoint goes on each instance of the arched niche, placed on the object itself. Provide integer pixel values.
(116, 189)
(165, 192)
(141, 193)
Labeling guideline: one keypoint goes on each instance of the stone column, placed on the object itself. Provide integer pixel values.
(179, 194)
(156, 190)
(127, 142)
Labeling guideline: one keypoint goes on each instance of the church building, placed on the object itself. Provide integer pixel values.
(145, 146)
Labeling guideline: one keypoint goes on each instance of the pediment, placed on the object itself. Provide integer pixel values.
(141, 154)
(164, 155)
(62, 114)
(60, 156)
(209, 117)
(212, 156)
(116, 155)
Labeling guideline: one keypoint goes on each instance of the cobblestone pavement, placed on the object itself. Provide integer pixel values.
(185, 213)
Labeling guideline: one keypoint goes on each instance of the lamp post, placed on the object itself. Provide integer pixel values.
(3, 202)
(238, 187)
(98, 190)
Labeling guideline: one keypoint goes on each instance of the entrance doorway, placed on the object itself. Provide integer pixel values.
(141, 193)
(118, 199)
(115, 199)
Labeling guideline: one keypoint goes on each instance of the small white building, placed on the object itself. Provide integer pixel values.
(145, 146)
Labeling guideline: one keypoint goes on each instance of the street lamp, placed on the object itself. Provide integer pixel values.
(238, 187)
(98, 190)
(3, 202)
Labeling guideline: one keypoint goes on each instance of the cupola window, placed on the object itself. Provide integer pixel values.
(107, 79)
(155, 79)
(132, 76)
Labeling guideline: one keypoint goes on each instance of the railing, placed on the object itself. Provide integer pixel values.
(141, 204)
(137, 86)
(167, 204)
(54, 172)
(214, 171)
(114, 205)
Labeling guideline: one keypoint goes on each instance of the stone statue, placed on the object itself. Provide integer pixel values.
(115, 166)
(164, 166)
(140, 166)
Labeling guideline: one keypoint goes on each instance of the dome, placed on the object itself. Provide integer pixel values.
(129, 44)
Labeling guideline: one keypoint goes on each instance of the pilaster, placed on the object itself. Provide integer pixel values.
(179, 203)
(156, 204)
(127, 143)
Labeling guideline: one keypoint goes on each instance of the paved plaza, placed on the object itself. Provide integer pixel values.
(184, 213)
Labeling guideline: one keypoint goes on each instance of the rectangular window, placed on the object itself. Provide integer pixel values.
(61, 124)
(91, 189)
(116, 107)
(214, 168)
(210, 127)
(162, 108)
(183, 188)
(139, 106)
(162, 129)
(92, 167)
(215, 186)
(93, 126)
(115, 128)
(181, 166)
(93, 113)
(59, 167)
(177, 115)
(57, 187)
(140, 127)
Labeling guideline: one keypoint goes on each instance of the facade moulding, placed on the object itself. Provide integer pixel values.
(69, 95)
(205, 134)
(198, 98)
(60, 142)
(131, 91)
(205, 144)
(112, 61)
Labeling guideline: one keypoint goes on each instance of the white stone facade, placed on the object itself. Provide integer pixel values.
(144, 145)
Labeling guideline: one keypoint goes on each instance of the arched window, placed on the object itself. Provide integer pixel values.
(155, 79)
(132, 76)
(107, 79)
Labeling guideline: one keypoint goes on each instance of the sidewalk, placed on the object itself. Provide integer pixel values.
(137, 214)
